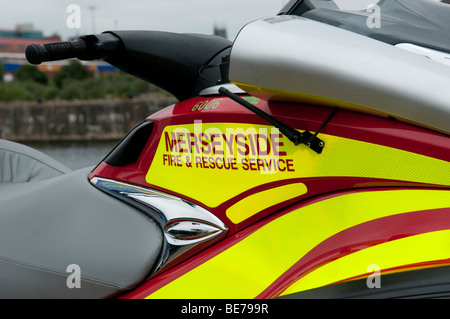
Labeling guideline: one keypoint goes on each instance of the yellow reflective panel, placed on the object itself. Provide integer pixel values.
(250, 266)
(255, 203)
(406, 251)
(231, 158)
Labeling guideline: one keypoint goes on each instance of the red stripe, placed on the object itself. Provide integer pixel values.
(360, 237)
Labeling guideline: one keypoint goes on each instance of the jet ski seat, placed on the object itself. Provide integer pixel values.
(20, 163)
(61, 237)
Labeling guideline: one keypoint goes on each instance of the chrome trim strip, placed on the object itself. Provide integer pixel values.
(183, 224)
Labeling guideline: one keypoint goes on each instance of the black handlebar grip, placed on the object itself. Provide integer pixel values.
(35, 53)
(38, 53)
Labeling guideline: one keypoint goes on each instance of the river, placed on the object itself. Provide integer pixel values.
(75, 155)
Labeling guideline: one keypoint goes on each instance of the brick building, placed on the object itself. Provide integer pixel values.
(12, 51)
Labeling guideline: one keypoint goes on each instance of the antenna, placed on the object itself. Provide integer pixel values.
(93, 8)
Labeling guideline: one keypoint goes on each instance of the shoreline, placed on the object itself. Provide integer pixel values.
(82, 121)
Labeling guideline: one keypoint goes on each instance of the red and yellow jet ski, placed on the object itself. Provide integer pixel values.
(308, 158)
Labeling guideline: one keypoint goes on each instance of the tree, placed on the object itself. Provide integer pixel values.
(73, 71)
(28, 72)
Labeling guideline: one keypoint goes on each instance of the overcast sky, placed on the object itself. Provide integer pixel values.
(198, 16)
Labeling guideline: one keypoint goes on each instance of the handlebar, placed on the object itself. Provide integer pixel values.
(88, 47)
(38, 53)
(168, 60)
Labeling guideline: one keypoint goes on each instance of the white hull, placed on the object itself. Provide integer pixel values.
(288, 57)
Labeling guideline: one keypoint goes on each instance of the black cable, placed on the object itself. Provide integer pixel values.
(332, 114)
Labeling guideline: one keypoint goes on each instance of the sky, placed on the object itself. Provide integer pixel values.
(95, 16)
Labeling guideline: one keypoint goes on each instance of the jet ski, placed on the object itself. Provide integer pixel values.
(307, 158)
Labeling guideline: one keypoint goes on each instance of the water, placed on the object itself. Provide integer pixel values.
(76, 155)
